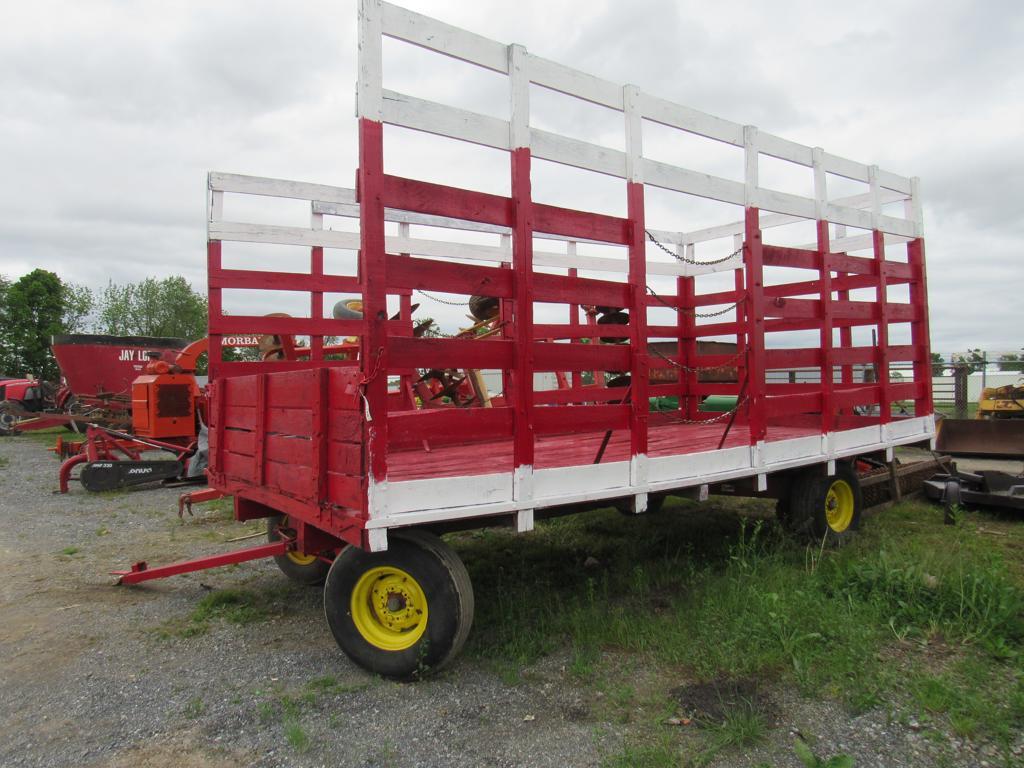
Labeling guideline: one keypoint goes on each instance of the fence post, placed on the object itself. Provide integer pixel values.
(960, 373)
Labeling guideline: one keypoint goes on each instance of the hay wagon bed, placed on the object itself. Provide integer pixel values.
(365, 474)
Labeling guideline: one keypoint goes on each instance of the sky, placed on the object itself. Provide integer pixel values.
(112, 113)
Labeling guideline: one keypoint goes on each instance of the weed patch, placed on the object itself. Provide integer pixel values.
(235, 606)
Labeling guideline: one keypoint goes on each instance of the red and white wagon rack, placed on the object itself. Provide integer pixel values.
(357, 479)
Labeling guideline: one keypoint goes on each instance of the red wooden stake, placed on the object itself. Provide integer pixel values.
(882, 350)
(755, 311)
(919, 335)
(639, 380)
(522, 265)
(828, 418)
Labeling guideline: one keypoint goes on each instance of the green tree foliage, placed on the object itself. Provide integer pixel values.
(1011, 362)
(31, 311)
(974, 359)
(938, 364)
(152, 307)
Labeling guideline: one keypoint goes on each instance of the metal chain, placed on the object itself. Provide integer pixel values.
(442, 301)
(694, 312)
(687, 369)
(688, 260)
(720, 417)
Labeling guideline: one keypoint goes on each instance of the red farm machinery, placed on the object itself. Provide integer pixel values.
(770, 309)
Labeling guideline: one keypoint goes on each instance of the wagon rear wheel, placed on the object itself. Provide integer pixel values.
(822, 507)
(403, 613)
(297, 566)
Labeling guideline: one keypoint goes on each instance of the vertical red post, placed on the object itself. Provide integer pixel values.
(373, 352)
(754, 309)
(919, 334)
(687, 323)
(522, 265)
(574, 323)
(215, 310)
(882, 308)
(828, 417)
(316, 301)
(741, 324)
(640, 375)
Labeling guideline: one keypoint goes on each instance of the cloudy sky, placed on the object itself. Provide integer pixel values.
(112, 113)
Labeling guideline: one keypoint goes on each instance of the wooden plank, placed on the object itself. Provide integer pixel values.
(434, 35)
(282, 281)
(289, 421)
(792, 358)
(345, 491)
(572, 82)
(297, 326)
(690, 120)
(235, 369)
(429, 116)
(239, 232)
(787, 405)
(592, 226)
(345, 426)
(433, 275)
(572, 419)
(297, 190)
(562, 289)
(441, 200)
(412, 427)
(450, 353)
(783, 149)
(667, 176)
(580, 357)
(578, 154)
(345, 458)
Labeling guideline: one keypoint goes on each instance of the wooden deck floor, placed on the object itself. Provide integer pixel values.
(573, 450)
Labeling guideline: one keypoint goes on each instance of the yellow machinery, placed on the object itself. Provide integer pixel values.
(1002, 402)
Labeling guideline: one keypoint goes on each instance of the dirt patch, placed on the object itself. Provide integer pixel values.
(715, 701)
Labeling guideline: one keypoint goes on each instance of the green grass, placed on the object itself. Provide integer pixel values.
(194, 709)
(716, 592)
(236, 606)
(4, 461)
(70, 551)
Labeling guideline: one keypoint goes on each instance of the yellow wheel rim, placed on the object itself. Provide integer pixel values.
(839, 506)
(389, 608)
(300, 558)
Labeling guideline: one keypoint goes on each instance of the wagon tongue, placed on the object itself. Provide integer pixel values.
(111, 475)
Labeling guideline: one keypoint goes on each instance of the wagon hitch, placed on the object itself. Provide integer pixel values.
(141, 571)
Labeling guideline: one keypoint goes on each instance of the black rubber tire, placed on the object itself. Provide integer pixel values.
(806, 515)
(312, 574)
(445, 583)
(655, 501)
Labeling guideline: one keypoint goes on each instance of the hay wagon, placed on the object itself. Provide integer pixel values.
(358, 473)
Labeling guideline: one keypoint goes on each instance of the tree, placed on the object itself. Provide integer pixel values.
(974, 359)
(152, 307)
(938, 364)
(79, 303)
(31, 312)
(1011, 362)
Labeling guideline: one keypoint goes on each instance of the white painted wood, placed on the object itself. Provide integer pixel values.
(552, 483)
(524, 521)
(840, 166)
(231, 231)
(558, 77)
(916, 209)
(443, 38)
(370, 65)
(852, 217)
(855, 243)
(579, 154)
(796, 448)
(658, 174)
(696, 465)
(820, 185)
(783, 202)
(783, 149)
(891, 181)
(519, 94)
(638, 504)
(830, 467)
(856, 438)
(378, 539)
(634, 134)
(296, 190)
(410, 495)
(690, 120)
(442, 120)
(522, 484)
(214, 207)
(876, 198)
(751, 166)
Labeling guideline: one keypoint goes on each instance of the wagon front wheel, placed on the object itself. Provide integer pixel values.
(298, 566)
(823, 507)
(403, 613)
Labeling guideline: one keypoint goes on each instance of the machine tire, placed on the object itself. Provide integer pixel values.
(8, 418)
(301, 568)
(424, 577)
(823, 508)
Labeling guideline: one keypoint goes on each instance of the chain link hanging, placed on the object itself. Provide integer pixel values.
(697, 369)
(439, 300)
(687, 260)
(693, 312)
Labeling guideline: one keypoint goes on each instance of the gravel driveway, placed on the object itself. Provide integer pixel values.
(98, 675)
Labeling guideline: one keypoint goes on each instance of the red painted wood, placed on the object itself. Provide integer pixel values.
(580, 357)
(434, 275)
(563, 419)
(754, 310)
(687, 323)
(884, 316)
(828, 307)
(919, 334)
(441, 200)
(639, 381)
(562, 289)
(145, 573)
(523, 227)
(412, 427)
(282, 281)
(373, 188)
(553, 220)
(316, 300)
(215, 310)
(451, 353)
(787, 405)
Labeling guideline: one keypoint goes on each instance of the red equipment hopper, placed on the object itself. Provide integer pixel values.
(98, 364)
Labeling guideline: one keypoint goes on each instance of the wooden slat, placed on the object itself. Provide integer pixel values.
(433, 275)
(411, 427)
(580, 357)
(592, 226)
(450, 353)
(566, 419)
(563, 289)
(441, 200)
